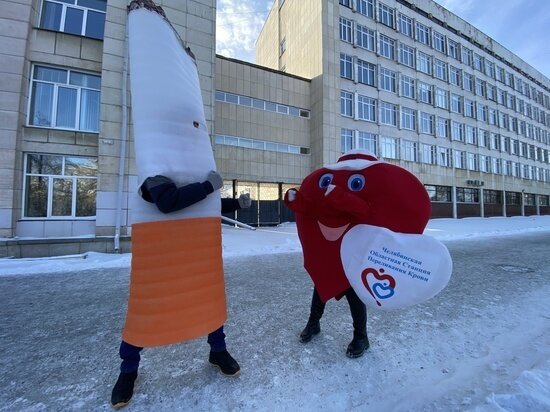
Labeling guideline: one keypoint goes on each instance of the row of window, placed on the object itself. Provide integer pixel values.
(80, 17)
(261, 104)
(471, 195)
(361, 71)
(259, 144)
(380, 112)
(407, 150)
(428, 36)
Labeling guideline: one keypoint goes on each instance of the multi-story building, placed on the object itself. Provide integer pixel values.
(418, 86)
(412, 83)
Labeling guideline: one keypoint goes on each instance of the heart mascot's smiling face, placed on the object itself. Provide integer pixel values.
(359, 189)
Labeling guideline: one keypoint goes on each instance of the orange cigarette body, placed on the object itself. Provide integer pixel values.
(177, 288)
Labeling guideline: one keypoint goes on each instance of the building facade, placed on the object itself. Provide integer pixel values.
(412, 83)
(420, 87)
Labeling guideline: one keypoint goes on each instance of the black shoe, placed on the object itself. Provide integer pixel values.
(357, 347)
(123, 390)
(311, 329)
(225, 362)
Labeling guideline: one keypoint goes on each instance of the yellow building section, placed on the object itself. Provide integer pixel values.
(177, 288)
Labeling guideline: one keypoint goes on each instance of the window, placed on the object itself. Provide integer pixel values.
(365, 38)
(387, 47)
(460, 159)
(482, 112)
(471, 134)
(426, 123)
(346, 66)
(438, 41)
(491, 92)
(366, 108)
(466, 56)
(501, 96)
(367, 141)
(406, 25)
(366, 7)
(497, 166)
(454, 75)
(495, 141)
(64, 99)
(345, 30)
(469, 108)
(409, 151)
(499, 74)
(346, 140)
(256, 144)
(440, 69)
(467, 195)
(346, 103)
(485, 164)
(422, 33)
(424, 63)
(388, 113)
(445, 156)
(365, 72)
(442, 128)
(406, 55)
(429, 154)
(59, 186)
(457, 131)
(453, 49)
(441, 98)
(346, 3)
(492, 197)
(425, 93)
(388, 147)
(467, 81)
(386, 15)
(439, 193)
(490, 69)
(388, 80)
(478, 62)
(480, 87)
(407, 87)
(80, 17)
(483, 138)
(408, 118)
(456, 103)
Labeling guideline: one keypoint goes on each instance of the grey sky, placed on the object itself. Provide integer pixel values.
(519, 25)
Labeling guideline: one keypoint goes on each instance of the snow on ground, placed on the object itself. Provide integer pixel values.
(280, 239)
(521, 383)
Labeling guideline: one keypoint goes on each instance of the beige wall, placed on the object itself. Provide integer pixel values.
(261, 165)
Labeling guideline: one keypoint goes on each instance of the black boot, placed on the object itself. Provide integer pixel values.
(313, 327)
(360, 341)
(225, 362)
(357, 346)
(123, 389)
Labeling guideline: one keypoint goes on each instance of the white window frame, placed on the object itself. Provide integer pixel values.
(53, 114)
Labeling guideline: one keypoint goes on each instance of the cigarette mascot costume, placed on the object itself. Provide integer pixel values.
(360, 222)
(177, 287)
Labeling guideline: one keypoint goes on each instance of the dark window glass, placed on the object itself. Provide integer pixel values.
(95, 24)
(51, 16)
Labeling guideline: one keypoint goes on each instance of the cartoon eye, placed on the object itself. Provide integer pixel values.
(356, 183)
(325, 180)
